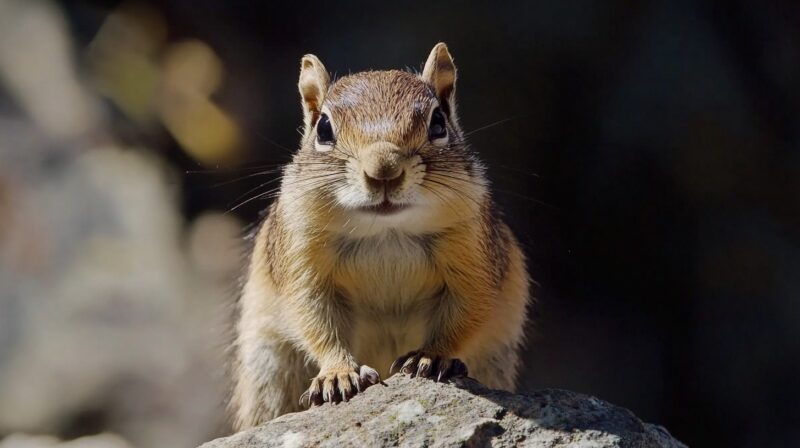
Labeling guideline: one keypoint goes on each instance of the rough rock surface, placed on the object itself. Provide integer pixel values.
(417, 412)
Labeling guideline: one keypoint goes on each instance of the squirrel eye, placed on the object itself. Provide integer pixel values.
(324, 130)
(438, 128)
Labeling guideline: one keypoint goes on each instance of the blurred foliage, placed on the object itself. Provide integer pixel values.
(152, 79)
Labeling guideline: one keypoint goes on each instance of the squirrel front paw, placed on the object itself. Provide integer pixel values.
(425, 365)
(339, 384)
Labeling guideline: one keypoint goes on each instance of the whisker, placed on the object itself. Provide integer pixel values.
(241, 178)
(219, 170)
(237, 206)
(274, 167)
(456, 191)
(347, 155)
(490, 125)
(452, 174)
(499, 190)
(441, 198)
(306, 184)
(274, 143)
(257, 187)
(527, 198)
(517, 170)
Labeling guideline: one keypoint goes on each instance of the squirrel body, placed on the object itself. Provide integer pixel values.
(384, 245)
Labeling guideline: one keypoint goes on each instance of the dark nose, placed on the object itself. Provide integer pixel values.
(384, 180)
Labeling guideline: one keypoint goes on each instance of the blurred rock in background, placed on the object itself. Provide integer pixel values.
(98, 441)
(113, 310)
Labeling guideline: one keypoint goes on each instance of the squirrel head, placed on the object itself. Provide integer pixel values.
(384, 149)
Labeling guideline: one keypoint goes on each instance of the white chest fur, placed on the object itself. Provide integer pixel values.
(389, 282)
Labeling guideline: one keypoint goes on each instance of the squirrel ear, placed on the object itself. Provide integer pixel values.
(440, 73)
(313, 85)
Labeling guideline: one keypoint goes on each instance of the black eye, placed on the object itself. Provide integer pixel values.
(438, 128)
(324, 130)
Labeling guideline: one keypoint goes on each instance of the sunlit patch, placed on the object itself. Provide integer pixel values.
(151, 79)
(378, 127)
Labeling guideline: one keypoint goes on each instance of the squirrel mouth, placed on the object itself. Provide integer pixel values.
(384, 208)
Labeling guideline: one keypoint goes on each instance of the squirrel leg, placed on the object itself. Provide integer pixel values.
(496, 367)
(451, 326)
(340, 377)
(270, 377)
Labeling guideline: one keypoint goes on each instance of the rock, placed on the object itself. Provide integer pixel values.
(111, 318)
(417, 412)
(97, 441)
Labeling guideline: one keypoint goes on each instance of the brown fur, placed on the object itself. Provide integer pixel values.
(331, 291)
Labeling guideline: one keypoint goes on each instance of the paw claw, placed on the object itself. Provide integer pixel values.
(337, 385)
(356, 380)
(304, 401)
(400, 362)
(394, 365)
(426, 365)
(369, 375)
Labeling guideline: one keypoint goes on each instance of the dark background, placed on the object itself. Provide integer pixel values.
(649, 163)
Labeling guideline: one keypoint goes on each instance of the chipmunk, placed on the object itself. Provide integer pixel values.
(384, 245)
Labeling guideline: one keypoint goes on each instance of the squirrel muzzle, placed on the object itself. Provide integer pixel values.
(382, 163)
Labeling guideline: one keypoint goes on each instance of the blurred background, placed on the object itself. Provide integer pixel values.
(645, 152)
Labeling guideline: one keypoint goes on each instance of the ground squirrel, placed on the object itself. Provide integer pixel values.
(384, 245)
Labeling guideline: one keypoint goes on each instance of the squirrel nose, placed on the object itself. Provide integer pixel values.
(385, 179)
(383, 167)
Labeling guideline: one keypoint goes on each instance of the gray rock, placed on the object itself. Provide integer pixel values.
(416, 412)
